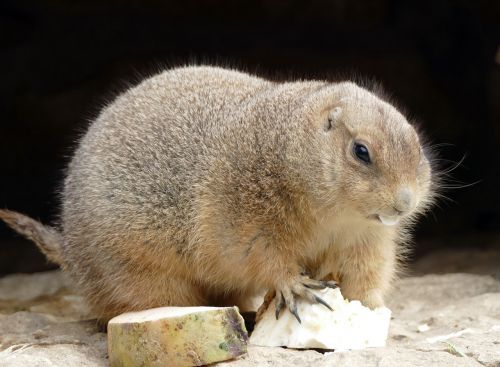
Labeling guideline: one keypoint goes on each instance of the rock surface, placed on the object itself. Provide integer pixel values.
(438, 320)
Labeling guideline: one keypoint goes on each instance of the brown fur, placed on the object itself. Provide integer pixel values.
(203, 185)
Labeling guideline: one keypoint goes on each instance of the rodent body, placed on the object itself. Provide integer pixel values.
(205, 186)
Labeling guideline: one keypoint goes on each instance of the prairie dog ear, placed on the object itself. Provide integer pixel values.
(332, 117)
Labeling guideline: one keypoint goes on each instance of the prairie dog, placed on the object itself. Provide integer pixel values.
(204, 186)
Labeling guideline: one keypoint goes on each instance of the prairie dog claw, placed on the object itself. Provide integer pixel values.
(319, 284)
(301, 288)
(280, 303)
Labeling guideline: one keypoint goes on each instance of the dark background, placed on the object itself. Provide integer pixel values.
(61, 61)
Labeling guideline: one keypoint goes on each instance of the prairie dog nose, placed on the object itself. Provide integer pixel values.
(405, 200)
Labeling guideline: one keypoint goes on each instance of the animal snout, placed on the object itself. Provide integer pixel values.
(405, 201)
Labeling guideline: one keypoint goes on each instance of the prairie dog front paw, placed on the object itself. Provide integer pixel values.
(373, 299)
(300, 286)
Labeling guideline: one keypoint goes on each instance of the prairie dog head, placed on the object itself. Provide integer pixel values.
(372, 160)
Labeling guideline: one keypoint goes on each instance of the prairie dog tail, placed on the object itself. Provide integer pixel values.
(47, 239)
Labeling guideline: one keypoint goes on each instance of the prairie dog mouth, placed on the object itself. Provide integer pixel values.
(388, 220)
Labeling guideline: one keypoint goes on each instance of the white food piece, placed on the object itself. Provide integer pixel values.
(176, 336)
(422, 328)
(349, 326)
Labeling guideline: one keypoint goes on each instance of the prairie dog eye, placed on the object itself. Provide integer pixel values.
(361, 152)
